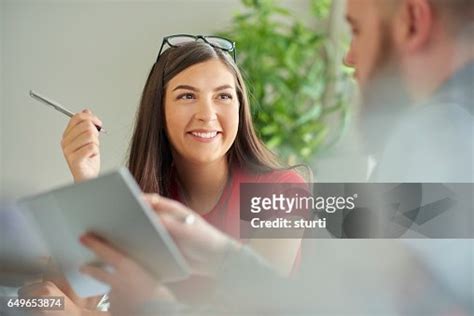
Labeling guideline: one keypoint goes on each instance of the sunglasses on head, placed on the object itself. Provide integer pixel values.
(215, 41)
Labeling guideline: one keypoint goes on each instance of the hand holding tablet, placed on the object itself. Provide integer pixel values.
(110, 206)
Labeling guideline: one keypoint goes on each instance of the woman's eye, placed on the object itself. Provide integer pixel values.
(225, 96)
(185, 96)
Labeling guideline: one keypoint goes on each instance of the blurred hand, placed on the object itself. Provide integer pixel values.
(80, 145)
(203, 245)
(54, 274)
(45, 289)
(131, 285)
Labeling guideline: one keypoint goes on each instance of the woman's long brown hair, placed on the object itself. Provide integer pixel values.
(150, 158)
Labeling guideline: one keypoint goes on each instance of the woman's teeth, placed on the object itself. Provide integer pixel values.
(205, 135)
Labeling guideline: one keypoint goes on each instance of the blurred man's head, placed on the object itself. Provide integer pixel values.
(371, 38)
(426, 40)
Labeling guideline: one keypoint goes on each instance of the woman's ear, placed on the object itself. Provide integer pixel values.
(414, 25)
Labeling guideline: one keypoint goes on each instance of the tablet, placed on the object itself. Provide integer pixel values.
(112, 207)
(23, 254)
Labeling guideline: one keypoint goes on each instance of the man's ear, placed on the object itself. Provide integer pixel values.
(415, 24)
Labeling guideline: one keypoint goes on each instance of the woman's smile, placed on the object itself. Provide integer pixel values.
(204, 136)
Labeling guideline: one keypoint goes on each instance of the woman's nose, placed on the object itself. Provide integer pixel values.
(206, 111)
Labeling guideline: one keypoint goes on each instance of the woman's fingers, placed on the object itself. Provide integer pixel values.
(88, 151)
(80, 146)
(84, 127)
(150, 197)
(30, 289)
(46, 288)
(78, 118)
(175, 227)
(49, 289)
(78, 137)
(81, 141)
(98, 273)
(104, 251)
(164, 205)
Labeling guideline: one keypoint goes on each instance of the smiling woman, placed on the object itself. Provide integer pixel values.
(194, 142)
(202, 107)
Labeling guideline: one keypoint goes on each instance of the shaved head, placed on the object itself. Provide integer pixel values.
(387, 7)
(456, 15)
(411, 38)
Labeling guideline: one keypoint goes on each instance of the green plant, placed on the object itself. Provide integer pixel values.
(287, 66)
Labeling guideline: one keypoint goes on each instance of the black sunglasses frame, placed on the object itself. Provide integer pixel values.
(204, 38)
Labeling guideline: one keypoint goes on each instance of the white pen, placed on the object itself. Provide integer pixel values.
(58, 107)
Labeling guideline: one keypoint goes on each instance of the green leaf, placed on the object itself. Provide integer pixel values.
(313, 114)
(287, 65)
(274, 142)
(270, 129)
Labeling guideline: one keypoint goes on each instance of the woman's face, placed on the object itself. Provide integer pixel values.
(202, 112)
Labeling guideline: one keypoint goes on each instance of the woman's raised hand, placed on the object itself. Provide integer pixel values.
(80, 145)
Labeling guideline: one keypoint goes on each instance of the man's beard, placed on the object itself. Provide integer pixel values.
(384, 97)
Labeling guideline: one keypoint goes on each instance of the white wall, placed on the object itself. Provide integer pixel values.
(93, 54)
(2, 19)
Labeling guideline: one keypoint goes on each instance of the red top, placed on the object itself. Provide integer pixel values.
(226, 217)
(226, 213)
